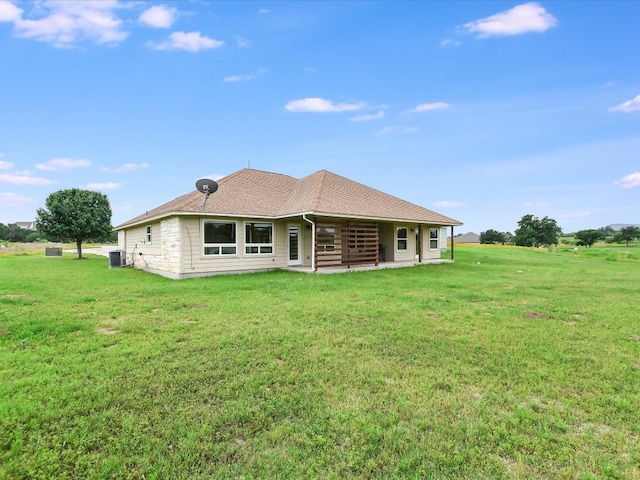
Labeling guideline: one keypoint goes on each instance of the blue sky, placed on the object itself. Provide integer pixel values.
(482, 111)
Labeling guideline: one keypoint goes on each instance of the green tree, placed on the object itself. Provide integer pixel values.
(16, 233)
(492, 236)
(4, 232)
(627, 234)
(533, 232)
(608, 231)
(587, 238)
(75, 214)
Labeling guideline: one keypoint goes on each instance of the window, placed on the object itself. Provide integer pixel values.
(258, 238)
(433, 239)
(401, 236)
(326, 239)
(220, 238)
(148, 236)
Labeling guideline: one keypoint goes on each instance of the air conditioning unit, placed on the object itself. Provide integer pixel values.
(117, 258)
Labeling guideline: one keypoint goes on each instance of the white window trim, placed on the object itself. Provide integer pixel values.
(406, 239)
(260, 245)
(220, 245)
(147, 235)
(437, 238)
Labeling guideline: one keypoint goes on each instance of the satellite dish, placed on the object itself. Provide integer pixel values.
(206, 186)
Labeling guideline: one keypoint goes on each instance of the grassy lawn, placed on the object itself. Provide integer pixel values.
(510, 363)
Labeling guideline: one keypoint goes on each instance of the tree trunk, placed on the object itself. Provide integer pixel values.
(79, 247)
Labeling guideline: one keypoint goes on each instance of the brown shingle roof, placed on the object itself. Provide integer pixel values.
(254, 193)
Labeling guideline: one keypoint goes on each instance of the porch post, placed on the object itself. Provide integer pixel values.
(314, 247)
(452, 244)
(420, 243)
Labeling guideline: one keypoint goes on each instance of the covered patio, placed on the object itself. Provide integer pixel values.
(362, 268)
(346, 244)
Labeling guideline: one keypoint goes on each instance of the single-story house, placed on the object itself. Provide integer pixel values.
(469, 237)
(259, 220)
(27, 225)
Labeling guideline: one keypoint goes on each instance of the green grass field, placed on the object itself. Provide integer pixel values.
(510, 363)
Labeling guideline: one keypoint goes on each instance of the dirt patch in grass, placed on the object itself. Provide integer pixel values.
(195, 306)
(533, 315)
(107, 331)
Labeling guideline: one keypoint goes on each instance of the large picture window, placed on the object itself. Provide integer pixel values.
(433, 238)
(258, 238)
(401, 237)
(220, 238)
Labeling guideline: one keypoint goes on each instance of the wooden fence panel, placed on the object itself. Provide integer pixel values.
(347, 244)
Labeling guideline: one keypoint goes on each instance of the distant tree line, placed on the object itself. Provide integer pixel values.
(15, 233)
(586, 238)
(12, 232)
(536, 232)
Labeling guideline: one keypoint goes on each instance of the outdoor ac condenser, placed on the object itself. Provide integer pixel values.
(117, 258)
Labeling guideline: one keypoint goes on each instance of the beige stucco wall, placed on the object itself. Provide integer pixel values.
(410, 253)
(427, 251)
(194, 263)
(386, 232)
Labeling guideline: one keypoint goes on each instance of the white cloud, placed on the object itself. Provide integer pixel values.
(427, 107)
(388, 130)
(65, 23)
(5, 165)
(575, 215)
(23, 179)
(127, 167)
(103, 186)
(321, 105)
(13, 200)
(245, 78)
(264, 11)
(213, 176)
(630, 181)
(535, 204)
(158, 16)
(9, 12)
(58, 164)
(239, 78)
(366, 118)
(191, 42)
(447, 204)
(632, 105)
(450, 42)
(242, 42)
(524, 18)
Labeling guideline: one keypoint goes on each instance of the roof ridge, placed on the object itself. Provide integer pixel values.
(265, 171)
(315, 201)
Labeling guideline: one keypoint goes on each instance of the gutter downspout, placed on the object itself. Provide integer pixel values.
(313, 241)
